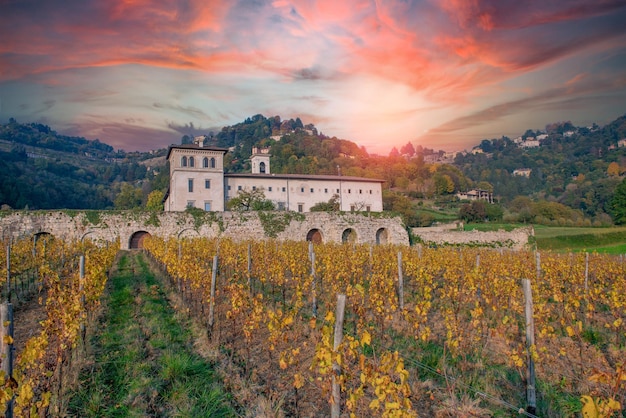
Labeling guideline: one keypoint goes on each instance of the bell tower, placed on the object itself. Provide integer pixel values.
(260, 160)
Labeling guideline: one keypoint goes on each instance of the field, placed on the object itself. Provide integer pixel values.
(563, 239)
(425, 332)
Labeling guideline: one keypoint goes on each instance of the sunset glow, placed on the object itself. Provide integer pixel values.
(446, 74)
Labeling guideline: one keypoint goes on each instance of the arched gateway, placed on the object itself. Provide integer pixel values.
(136, 240)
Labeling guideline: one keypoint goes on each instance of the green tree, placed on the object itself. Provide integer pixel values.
(618, 204)
(473, 212)
(155, 201)
(129, 197)
(331, 206)
(250, 200)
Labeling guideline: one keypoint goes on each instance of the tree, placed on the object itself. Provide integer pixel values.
(473, 212)
(618, 204)
(129, 197)
(408, 149)
(613, 169)
(155, 201)
(331, 206)
(250, 200)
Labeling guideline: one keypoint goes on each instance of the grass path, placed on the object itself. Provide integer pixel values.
(144, 362)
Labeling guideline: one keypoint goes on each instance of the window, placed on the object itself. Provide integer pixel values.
(352, 208)
(269, 189)
(302, 189)
(238, 187)
(262, 167)
(337, 191)
(212, 162)
(325, 190)
(281, 205)
(370, 191)
(191, 203)
(229, 187)
(191, 162)
(190, 185)
(183, 162)
(205, 163)
(349, 191)
(368, 208)
(207, 184)
(311, 189)
(300, 207)
(284, 189)
(207, 206)
(253, 187)
(360, 191)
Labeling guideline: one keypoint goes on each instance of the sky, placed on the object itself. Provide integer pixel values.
(444, 74)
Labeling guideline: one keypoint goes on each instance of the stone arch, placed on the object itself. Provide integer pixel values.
(86, 234)
(382, 236)
(188, 233)
(136, 240)
(349, 235)
(262, 167)
(315, 236)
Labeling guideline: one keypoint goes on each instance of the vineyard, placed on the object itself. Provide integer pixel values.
(426, 332)
(66, 281)
(350, 330)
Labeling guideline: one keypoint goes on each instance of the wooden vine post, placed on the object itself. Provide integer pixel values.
(400, 282)
(335, 407)
(212, 304)
(531, 396)
(250, 267)
(6, 326)
(81, 290)
(8, 296)
(313, 293)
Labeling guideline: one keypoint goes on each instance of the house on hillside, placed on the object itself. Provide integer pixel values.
(522, 172)
(197, 179)
(476, 194)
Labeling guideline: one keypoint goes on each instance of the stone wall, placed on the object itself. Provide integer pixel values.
(123, 225)
(516, 239)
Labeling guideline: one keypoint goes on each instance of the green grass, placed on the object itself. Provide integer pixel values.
(558, 238)
(581, 239)
(144, 359)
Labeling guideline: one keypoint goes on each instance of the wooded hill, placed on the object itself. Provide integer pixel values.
(574, 172)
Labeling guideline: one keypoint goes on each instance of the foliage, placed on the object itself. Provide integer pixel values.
(331, 206)
(618, 204)
(250, 200)
(473, 212)
(155, 201)
(129, 197)
(277, 319)
(275, 222)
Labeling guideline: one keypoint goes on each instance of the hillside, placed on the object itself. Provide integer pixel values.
(573, 172)
(579, 167)
(40, 169)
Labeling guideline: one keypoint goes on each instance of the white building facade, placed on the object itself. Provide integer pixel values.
(197, 179)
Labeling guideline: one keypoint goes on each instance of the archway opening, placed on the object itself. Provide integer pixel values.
(349, 236)
(382, 236)
(315, 236)
(136, 240)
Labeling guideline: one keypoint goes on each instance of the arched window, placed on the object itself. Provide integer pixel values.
(262, 167)
(212, 162)
(191, 162)
(205, 163)
(183, 162)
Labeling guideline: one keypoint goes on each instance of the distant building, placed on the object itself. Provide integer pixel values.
(476, 194)
(523, 172)
(530, 143)
(542, 137)
(621, 143)
(197, 179)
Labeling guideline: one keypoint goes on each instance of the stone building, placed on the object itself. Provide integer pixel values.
(197, 179)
